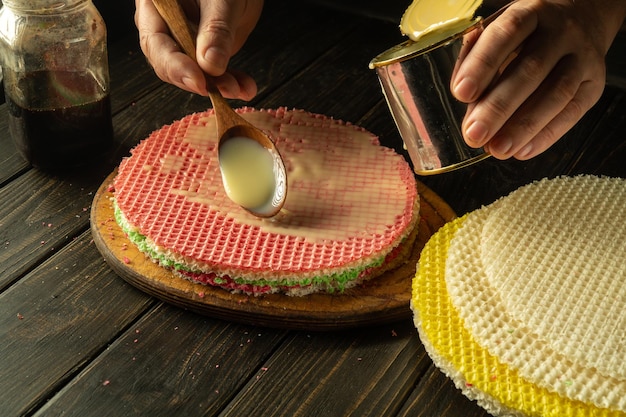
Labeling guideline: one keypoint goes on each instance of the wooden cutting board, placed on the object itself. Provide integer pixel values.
(382, 300)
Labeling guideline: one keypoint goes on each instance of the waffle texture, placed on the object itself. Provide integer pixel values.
(350, 203)
(495, 354)
(567, 279)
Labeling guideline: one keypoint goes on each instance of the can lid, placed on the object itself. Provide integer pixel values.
(431, 40)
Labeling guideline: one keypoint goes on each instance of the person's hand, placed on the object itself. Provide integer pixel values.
(223, 27)
(553, 55)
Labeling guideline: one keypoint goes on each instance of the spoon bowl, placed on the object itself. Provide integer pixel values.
(230, 125)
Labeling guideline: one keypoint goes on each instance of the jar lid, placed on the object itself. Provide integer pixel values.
(431, 40)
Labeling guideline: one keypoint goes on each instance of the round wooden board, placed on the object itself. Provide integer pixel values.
(384, 299)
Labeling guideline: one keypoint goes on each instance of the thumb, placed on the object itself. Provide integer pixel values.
(216, 36)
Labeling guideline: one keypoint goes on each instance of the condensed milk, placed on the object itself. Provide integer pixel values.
(247, 172)
(446, 17)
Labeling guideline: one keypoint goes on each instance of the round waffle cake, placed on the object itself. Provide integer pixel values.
(521, 302)
(350, 213)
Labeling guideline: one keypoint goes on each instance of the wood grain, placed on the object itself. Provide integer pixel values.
(381, 300)
(358, 372)
(170, 363)
(56, 320)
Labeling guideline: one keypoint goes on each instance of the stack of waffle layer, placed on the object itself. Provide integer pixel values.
(350, 213)
(522, 303)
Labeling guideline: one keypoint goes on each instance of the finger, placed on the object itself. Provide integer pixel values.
(496, 43)
(216, 35)
(520, 80)
(469, 40)
(560, 100)
(162, 52)
(587, 95)
(542, 106)
(236, 85)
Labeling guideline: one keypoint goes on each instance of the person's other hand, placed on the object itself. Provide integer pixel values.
(223, 27)
(556, 73)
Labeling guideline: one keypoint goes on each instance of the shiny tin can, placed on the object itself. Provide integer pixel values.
(415, 79)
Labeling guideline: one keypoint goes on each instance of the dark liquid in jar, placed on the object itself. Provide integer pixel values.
(64, 126)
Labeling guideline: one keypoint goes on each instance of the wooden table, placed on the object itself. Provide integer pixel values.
(77, 340)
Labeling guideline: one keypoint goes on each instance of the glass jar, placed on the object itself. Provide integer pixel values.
(56, 81)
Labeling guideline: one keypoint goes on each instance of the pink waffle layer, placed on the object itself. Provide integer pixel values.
(350, 201)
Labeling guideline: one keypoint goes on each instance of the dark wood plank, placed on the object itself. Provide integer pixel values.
(339, 83)
(56, 319)
(361, 373)
(170, 363)
(131, 75)
(604, 150)
(286, 41)
(436, 396)
(616, 61)
(40, 214)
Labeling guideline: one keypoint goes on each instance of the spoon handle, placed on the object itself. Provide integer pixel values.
(172, 12)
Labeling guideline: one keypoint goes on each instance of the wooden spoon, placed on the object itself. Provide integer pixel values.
(229, 123)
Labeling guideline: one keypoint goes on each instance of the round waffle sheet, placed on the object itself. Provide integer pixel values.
(484, 313)
(509, 278)
(349, 203)
(481, 376)
(555, 251)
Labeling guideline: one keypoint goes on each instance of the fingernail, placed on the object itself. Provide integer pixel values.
(216, 58)
(466, 89)
(476, 132)
(525, 151)
(501, 146)
(189, 83)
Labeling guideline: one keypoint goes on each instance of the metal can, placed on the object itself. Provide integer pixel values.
(415, 79)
